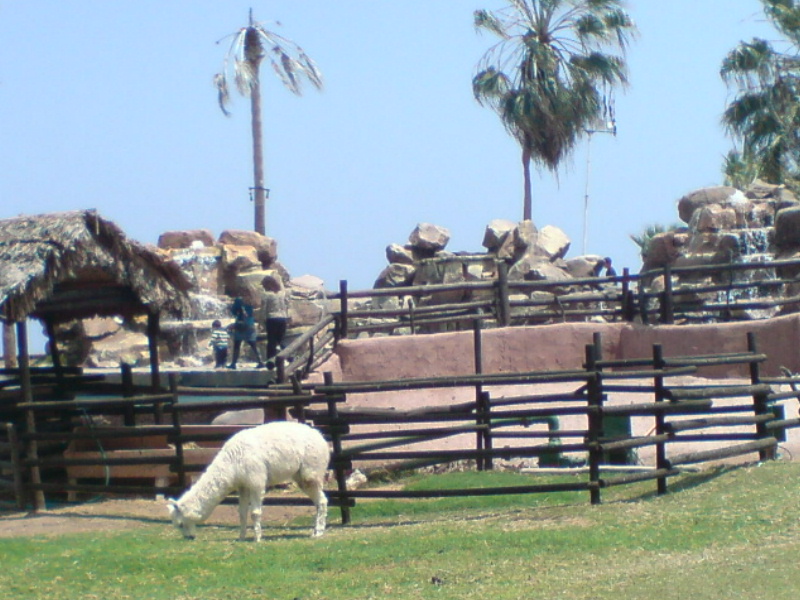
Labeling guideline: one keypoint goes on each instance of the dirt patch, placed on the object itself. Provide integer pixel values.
(121, 514)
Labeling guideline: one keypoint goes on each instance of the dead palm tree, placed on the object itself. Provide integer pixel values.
(548, 77)
(249, 46)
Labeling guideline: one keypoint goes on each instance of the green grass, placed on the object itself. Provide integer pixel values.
(723, 534)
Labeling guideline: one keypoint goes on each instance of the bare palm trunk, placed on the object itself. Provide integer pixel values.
(254, 54)
(259, 195)
(9, 346)
(527, 203)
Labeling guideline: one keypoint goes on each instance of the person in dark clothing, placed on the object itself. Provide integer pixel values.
(244, 330)
(604, 264)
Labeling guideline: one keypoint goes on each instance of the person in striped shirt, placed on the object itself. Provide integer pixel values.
(219, 344)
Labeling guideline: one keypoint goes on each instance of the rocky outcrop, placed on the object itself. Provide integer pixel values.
(232, 266)
(724, 224)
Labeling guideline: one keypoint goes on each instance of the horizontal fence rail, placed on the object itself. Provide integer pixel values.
(154, 445)
(715, 292)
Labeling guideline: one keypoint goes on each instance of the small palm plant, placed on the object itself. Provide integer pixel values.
(249, 46)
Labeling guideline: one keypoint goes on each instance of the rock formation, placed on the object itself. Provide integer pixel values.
(233, 265)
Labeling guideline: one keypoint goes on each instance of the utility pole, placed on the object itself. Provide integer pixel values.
(611, 127)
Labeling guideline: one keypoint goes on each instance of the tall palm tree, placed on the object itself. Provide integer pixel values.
(765, 114)
(249, 46)
(550, 77)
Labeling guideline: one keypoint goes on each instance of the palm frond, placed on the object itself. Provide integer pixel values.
(289, 62)
(484, 19)
(223, 94)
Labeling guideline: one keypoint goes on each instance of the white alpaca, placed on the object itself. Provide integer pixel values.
(250, 462)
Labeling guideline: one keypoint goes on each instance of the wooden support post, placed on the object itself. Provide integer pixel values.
(176, 425)
(16, 463)
(155, 378)
(126, 376)
(594, 396)
(336, 441)
(342, 309)
(30, 416)
(760, 406)
(660, 394)
(9, 346)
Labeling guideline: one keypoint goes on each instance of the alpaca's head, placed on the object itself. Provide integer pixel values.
(184, 523)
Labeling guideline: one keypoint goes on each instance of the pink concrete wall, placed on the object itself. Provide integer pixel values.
(562, 346)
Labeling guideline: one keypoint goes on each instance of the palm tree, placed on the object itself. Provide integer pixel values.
(548, 77)
(249, 47)
(765, 114)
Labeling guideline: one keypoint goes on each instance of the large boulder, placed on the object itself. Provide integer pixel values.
(712, 218)
(551, 242)
(663, 249)
(497, 234)
(582, 266)
(238, 259)
(171, 240)
(396, 275)
(429, 238)
(266, 247)
(703, 197)
(787, 229)
(395, 253)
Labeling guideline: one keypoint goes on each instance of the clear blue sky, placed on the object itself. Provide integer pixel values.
(110, 105)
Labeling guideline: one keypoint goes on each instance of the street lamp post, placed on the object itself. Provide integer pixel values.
(611, 128)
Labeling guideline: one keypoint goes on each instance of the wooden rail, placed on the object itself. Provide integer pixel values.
(480, 431)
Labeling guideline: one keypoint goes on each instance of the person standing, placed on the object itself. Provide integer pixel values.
(275, 310)
(244, 330)
(219, 344)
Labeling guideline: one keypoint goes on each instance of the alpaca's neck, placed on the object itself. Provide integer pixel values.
(212, 487)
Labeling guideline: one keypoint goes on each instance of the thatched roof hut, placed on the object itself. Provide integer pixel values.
(63, 266)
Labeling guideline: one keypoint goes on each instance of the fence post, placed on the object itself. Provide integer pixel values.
(667, 300)
(503, 304)
(643, 301)
(628, 306)
(176, 425)
(481, 437)
(658, 386)
(594, 396)
(280, 369)
(759, 400)
(343, 309)
(336, 441)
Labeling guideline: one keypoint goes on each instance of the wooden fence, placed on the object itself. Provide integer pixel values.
(720, 292)
(162, 442)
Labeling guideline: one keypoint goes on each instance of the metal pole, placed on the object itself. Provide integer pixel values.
(586, 193)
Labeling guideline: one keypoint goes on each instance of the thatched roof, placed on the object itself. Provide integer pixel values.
(69, 265)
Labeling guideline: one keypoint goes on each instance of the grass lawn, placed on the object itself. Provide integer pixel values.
(728, 533)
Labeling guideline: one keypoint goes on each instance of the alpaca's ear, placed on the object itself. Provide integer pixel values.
(172, 507)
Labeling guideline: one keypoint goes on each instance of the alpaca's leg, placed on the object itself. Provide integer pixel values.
(254, 502)
(244, 508)
(313, 489)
